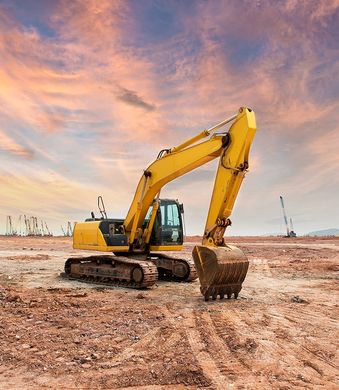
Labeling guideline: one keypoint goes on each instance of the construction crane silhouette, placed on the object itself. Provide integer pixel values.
(69, 231)
(290, 231)
(10, 231)
(27, 226)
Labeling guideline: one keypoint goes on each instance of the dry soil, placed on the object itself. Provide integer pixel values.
(281, 333)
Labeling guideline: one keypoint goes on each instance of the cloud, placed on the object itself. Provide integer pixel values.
(55, 82)
(256, 55)
(65, 199)
(8, 145)
(130, 97)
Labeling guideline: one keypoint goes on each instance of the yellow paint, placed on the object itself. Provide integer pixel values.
(86, 233)
(190, 141)
(150, 225)
(101, 248)
(157, 248)
(88, 236)
(230, 171)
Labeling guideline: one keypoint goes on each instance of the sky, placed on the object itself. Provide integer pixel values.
(90, 91)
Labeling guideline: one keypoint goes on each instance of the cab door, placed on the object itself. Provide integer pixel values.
(167, 229)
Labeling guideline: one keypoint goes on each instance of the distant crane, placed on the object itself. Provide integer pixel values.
(9, 227)
(63, 231)
(28, 226)
(49, 233)
(291, 227)
(19, 226)
(35, 227)
(290, 232)
(69, 231)
(43, 232)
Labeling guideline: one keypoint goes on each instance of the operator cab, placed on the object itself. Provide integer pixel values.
(168, 227)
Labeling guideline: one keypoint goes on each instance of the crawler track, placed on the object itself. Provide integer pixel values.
(112, 271)
(174, 269)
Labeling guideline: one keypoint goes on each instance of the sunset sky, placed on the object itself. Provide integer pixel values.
(90, 91)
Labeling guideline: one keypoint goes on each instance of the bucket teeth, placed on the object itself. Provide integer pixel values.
(221, 270)
(214, 292)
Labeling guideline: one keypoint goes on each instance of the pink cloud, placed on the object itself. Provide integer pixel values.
(276, 82)
(9, 145)
(100, 79)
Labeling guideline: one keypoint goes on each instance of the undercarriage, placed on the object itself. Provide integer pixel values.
(141, 271)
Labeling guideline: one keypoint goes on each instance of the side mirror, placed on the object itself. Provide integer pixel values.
(181, 208)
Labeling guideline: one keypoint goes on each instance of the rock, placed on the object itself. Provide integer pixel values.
(77, 295)
(13, 298)
(297, 299)
(42, 353)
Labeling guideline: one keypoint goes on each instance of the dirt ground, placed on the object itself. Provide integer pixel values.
(281, 333)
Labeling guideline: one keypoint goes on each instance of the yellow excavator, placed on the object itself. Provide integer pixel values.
(154, 225)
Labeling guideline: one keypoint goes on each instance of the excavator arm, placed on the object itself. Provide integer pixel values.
(165, 169)
(231, 147)
(233, 165)
(221, 268)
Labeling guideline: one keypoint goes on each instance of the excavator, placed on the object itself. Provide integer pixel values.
(154, 225)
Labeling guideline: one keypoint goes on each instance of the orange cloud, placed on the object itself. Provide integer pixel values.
(275, 80)
(87, 75)
(7, 144)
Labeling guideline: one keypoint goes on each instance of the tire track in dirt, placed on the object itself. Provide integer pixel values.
(204, 359)
(207, 363)
(231, 348)
(136, 348)
(160, 387)
(149, 341)
(294, 359)
(319, 361)
(269, 370)
(319, 314)
(165, 338)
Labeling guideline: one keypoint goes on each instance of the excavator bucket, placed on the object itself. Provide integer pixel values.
(221, 270)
